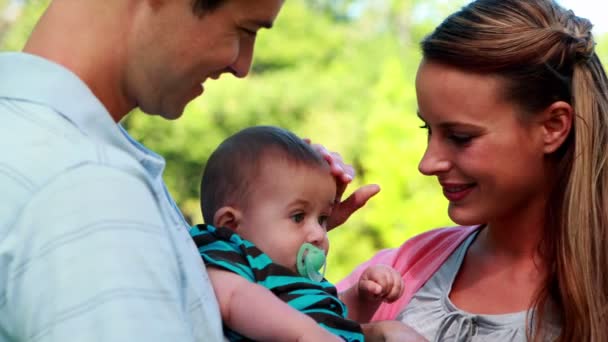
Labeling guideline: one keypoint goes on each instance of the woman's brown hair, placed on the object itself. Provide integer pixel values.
(546, 53)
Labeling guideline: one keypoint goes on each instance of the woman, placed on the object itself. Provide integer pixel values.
(515, 101)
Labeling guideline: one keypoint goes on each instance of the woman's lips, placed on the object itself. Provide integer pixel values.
(457, 192)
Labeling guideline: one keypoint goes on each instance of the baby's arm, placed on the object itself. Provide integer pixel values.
(377, 284)
(255, 312)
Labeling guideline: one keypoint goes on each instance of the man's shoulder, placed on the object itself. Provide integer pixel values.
(36, 150)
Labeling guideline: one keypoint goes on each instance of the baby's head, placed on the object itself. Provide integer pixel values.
(271, 188)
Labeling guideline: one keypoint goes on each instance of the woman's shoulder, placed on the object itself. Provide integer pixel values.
(442, 235)
(432, 244)
(427, 247)
(423, 253)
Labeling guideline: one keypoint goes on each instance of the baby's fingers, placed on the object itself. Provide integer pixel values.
(369, 288)
(395, 291)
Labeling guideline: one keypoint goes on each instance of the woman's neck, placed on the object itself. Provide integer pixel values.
(502, 269)
(514, 241)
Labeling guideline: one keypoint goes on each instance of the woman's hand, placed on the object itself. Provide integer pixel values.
(344, 174)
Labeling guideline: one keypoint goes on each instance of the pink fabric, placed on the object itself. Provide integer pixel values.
(417, 260)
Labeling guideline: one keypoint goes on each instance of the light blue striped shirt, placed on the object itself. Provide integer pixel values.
(92, 248)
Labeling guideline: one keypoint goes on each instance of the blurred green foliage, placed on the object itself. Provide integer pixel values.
(338, 72)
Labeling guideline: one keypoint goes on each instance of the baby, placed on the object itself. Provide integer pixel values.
(266, 196)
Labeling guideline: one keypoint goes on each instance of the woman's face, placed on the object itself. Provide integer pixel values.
(488, 160)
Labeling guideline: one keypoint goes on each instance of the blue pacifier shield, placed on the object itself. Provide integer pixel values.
(309, 261)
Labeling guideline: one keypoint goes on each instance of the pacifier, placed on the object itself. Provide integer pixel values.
(310, 260)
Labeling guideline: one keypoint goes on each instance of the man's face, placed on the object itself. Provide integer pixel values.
(173, 51)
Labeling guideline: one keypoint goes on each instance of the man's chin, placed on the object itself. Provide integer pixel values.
(173, 112)
(173, 108)
(172, 115)
(165, 114)
(176, 113)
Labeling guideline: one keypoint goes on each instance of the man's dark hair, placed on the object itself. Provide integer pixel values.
(233, 168)
(205, 6)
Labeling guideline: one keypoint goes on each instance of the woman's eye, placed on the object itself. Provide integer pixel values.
(427, 128)
(460, 139)
(297, 218)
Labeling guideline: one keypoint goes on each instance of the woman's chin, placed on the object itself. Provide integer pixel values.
(464, 217)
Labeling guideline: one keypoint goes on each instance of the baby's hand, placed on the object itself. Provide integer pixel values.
(380, 282)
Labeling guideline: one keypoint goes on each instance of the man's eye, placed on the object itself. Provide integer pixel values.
(249, 32)
(297, 218)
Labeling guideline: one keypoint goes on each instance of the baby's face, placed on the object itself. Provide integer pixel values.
(289, 205)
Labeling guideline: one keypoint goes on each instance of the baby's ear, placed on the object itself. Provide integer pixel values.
(228, 217)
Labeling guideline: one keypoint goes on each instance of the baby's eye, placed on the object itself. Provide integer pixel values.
(323, 221)
(297, 218)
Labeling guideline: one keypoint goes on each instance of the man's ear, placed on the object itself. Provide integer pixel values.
(228, 217)
(556, 125)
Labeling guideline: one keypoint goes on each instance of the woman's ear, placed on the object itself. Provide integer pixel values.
(556, 124)
(228, 217)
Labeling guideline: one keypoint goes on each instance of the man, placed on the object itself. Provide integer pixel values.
(92, 247)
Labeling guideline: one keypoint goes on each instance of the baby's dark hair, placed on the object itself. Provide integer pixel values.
(234, 166)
